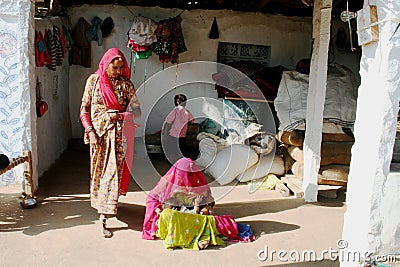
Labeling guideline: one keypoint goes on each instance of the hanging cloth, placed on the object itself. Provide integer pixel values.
(50, 42)
(214, 32)
(58, 46)
(68, 38)
(81, 51)
(63, 41)
(93, 33)
(170, 42)
(142, 31)
(42, 55)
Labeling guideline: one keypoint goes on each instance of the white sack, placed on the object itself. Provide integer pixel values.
(265, 166)
(231, 162)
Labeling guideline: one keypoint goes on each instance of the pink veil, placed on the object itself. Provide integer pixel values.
(184, 175)
(106, 90)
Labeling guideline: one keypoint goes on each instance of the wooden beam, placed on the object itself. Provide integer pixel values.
(262, 3)
(316, 98)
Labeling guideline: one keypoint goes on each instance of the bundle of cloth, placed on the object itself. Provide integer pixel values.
(177, 221)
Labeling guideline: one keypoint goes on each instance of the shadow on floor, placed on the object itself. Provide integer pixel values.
(60, 212)
(63, 202)
(260, 228)
(244, 209)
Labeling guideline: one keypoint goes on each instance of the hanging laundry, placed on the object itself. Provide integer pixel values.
(141, 36)
(63, 41)
(106, 27)
(170, 42)
(68, 38)
(50, 42)
(58, 47)
(93, 33)
(141, 51)
(142, 31)
(42, 55)
(81, 51)
(214, 32)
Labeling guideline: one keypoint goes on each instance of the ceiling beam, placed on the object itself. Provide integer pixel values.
(262, 3)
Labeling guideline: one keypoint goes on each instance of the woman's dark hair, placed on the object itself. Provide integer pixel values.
(180, 99)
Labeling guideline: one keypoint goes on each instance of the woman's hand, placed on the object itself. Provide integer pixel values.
(92, 138)
(198, 200)
(158, 211)
(114, 115)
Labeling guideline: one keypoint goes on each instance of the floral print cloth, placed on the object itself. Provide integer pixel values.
(107, 158)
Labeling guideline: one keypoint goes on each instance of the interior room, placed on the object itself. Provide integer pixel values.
(245, 69)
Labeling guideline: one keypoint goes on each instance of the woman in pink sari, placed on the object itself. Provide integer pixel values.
(109, 106)
(185, 178)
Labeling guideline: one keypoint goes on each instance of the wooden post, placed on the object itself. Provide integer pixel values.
(316, 98)
(29, 187)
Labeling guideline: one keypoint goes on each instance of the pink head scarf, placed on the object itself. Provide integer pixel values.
(184, 174)
(106, 90)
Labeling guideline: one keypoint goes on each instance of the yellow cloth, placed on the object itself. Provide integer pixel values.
(267, 183)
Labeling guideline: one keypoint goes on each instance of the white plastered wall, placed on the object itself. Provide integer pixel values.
(371, 222)
(289, 38)
(18, 127)
(54, 127)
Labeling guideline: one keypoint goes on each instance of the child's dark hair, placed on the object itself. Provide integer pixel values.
(180, 99)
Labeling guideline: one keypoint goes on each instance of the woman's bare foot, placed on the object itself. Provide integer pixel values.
(203, 244)
(104, 230)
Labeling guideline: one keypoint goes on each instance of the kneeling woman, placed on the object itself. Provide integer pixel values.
(187, 229)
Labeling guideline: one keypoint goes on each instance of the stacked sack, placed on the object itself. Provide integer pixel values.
(225, 162)
(335, 156)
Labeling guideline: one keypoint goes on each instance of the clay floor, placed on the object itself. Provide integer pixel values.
(63, 230)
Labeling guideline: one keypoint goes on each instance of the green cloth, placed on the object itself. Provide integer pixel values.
(185, 230)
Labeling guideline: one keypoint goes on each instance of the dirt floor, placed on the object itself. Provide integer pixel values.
(63, 229)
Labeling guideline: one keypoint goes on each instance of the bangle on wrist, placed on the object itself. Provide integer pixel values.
(89, 129)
